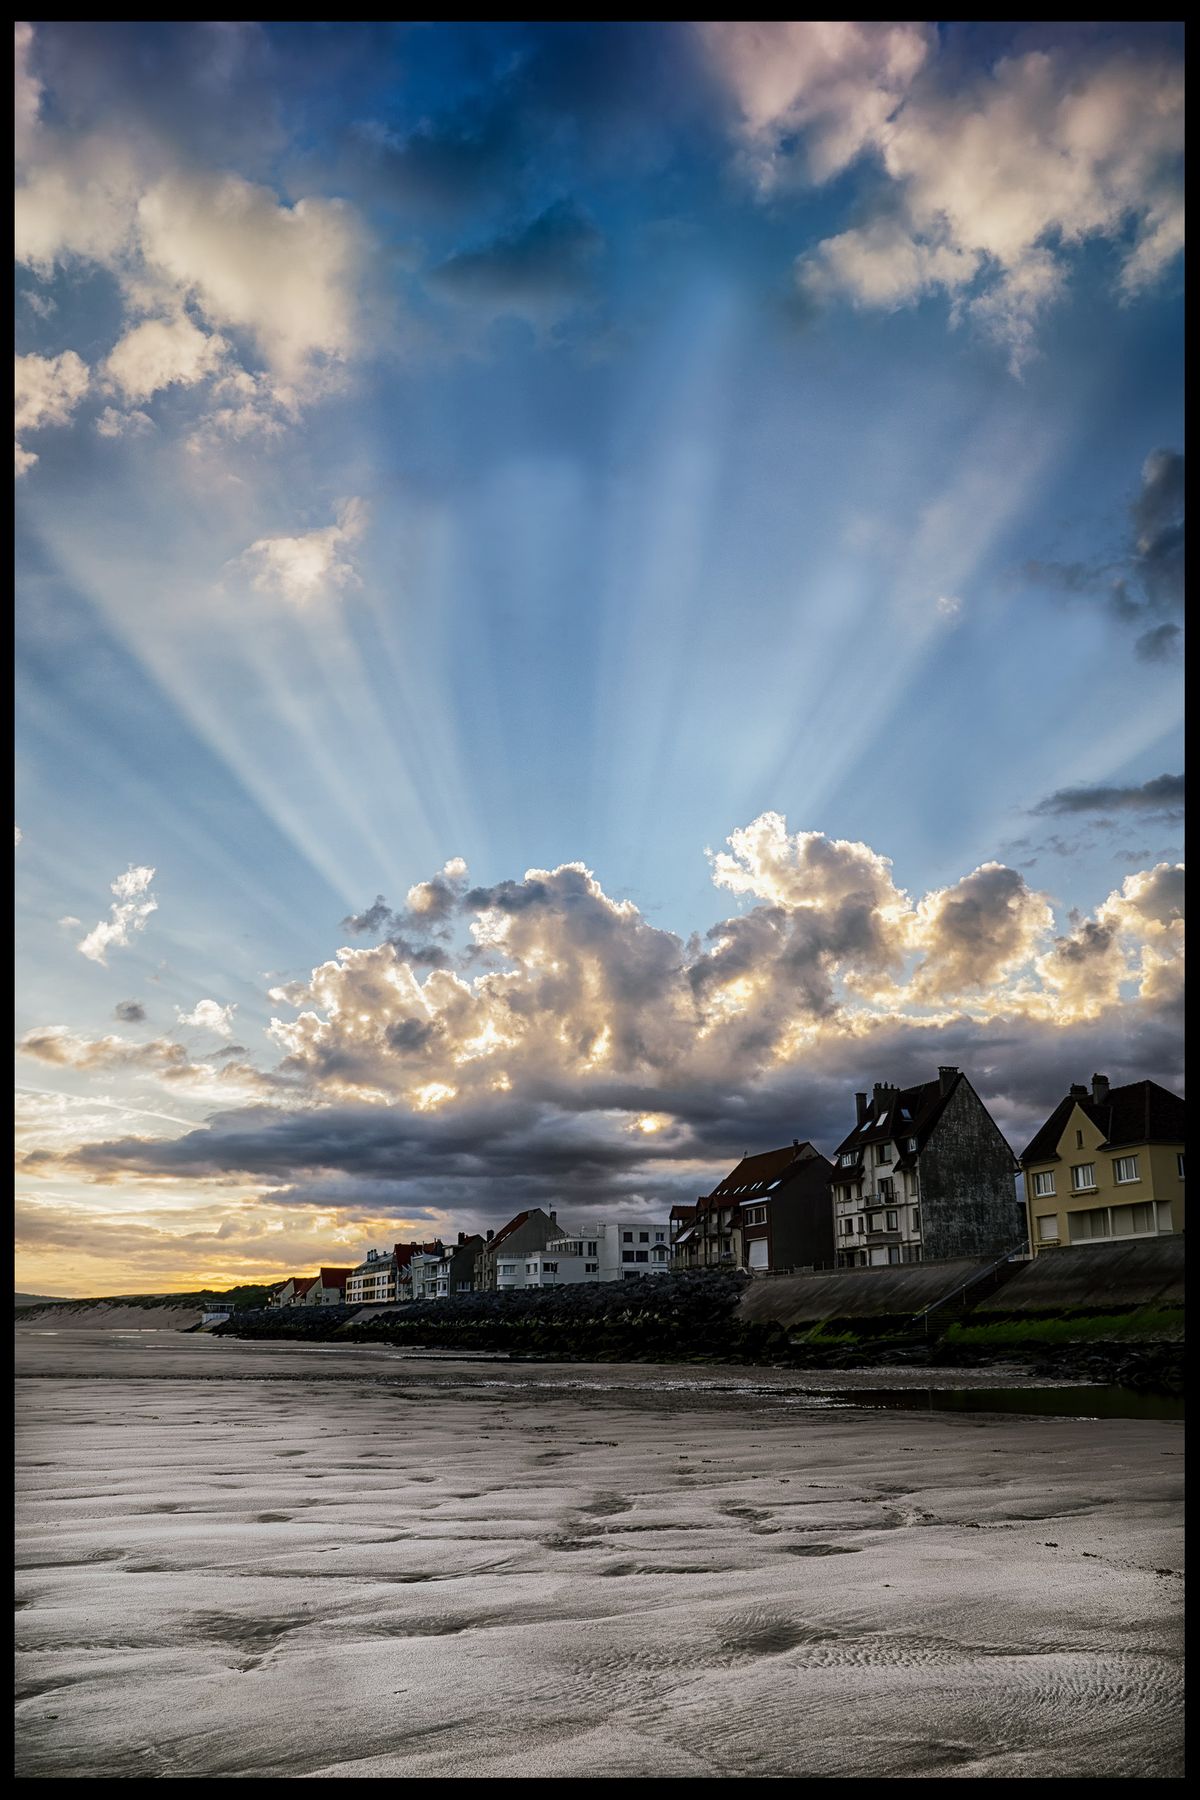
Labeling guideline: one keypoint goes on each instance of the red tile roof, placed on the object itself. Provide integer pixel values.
(304, 1283)
(334, 1277)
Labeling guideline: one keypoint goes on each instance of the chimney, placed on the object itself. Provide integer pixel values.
(553, 1215)
(490, 1236)
(462, 1237)
(946, 1075)
(860, 1107)
(1078, 1091)
(1100, 1089)
(795, 1143)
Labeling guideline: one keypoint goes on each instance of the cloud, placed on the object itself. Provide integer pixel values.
(114, 424)
(978, 932)
(1144, 580)
(835, 83)
(1162, 794)
(130, 1012)
(28, 88)
(518, 1071)
(47, 389)
(284, 275)
(129, 912)
(207, 1015)
(536, 271)
(988, 187)
(302, 569)
(163, 353)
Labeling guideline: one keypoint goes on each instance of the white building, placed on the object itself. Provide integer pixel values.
(614, 1251)
(373, 1280)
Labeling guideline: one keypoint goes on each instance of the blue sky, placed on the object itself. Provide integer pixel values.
(578, 445)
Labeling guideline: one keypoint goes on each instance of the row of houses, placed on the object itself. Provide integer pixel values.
(924, 1173)
(532, 1250)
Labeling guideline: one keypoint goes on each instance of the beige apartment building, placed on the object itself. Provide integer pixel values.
(1107, 1165)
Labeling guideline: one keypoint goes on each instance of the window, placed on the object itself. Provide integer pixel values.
(550, 1268)
(643, 1255)
(848, 1159)
(1082, 1227)
(876, 1223)
(862, 1224)
(1079, 1140)
(643, 1237)
(1043, 1184)
(1047, 1229)
(847, 1227)
(1125, 1168)
(881, 1121)
(887, 1189)
(893, 1253)
(884, 1153)
(910, 1143)
(591, 1249)
(591, 1268)
(658, 1237)
(627, 1256)
(1133, 1221)
(627, 1237)
(1179, 1164)
(1083, 1176)
(916, 1220)
(755, 1215)
(893, 1221)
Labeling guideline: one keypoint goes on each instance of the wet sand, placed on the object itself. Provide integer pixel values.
(273, 1559)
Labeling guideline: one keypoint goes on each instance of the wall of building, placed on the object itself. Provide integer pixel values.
(1159, 1184)
(969, 1204)
(1095, 1277)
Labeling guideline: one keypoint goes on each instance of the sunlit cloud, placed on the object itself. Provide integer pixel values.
(129, 913)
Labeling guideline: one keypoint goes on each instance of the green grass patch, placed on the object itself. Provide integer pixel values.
(1073, 1328)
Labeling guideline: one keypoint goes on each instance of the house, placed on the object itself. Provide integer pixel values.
(423, 1263)
(328, 1288)
(682, 1221)
(502, 1257)
(1106, 1165)
(282, 1295)
(783, 1218)
(770, 1212)
(614, 1251)
(456, 1271)
(300, 1287)
(925, 1174)
(374, 1280)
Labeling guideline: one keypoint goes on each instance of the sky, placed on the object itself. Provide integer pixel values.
(584, 591)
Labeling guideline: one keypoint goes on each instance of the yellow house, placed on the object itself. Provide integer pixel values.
(1106, 1165)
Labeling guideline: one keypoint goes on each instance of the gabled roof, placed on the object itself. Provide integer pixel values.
(901, 1113)
(1141, 1112)
(506, 1231)
(682, 1215)
(757, 1177)
(303, 1284)
(334, 1277)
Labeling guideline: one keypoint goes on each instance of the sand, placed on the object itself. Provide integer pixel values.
(284, 1560)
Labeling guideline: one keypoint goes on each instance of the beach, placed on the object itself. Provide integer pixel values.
(277, 1559)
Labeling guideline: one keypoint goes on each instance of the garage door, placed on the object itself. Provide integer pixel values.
(758, 1253)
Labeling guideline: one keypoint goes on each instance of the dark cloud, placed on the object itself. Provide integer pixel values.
(374, 918)
(1162, 794)
(1144, 582)
(1163, 644)
(538, 267)
(130, 1012)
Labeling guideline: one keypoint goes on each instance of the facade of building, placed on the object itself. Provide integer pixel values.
(300, 1288)
(282, 1295)
(924, 1175)
(502, 1257)
(374, 1280)
(614, 1251)
(456, 1269)
(1106, 1165)
(328, 1288)
(771, 1212)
